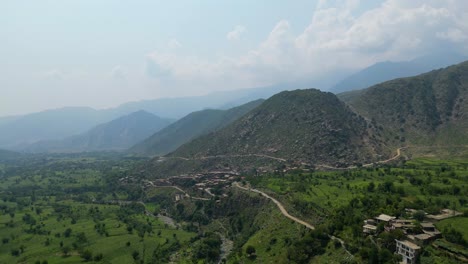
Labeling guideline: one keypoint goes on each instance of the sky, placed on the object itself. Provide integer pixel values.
(57, 53)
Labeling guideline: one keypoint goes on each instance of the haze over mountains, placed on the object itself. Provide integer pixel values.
(388, 70)
(18, 132)
(118, 134)
(317, 128)
(43, 131)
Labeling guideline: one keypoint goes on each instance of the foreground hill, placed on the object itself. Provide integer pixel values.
(385, 71)
(117, 134)
(190, 127)
(301, 125)
(429, 109)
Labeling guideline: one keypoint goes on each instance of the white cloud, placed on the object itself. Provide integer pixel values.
(336, 39)
(54, 74)
(454, 35)
(174, 44)
(118, 73)
(236, 33)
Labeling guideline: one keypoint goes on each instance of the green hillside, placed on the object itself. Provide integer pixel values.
(6, 154)
(189, 127)
(429, 109)
(301, 125)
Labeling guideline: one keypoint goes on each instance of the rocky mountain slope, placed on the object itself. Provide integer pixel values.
(189, 127)
(428, 109)
(302, 125)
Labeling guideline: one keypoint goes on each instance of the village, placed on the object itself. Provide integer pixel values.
(201, 186)
(418, 228)
(419, 231)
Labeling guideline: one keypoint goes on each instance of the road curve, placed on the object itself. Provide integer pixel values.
(280, 206)
(365, 165)
(295, 219)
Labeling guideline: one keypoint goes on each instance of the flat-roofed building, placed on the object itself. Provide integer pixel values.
(408, 250)
(385, 218)
(369, 229)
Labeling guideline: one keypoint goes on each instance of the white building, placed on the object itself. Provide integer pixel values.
(409, 251)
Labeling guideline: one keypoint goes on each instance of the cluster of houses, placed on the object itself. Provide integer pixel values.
(415, 236)
(204, 182)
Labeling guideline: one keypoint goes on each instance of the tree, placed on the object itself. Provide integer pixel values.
(135, 255)
(180, 208)
(66, 250)
(67, 232)
(250, 250)
(419, 215)
(454, 236)
(87, 255)
(15, 252)
(98, 257)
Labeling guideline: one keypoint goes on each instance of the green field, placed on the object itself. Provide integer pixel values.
(71, 209)
(67, 210)
(458, 223)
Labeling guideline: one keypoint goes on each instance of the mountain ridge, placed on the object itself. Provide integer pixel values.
(420, 109)
(389, 70)
(189, 127)
(117, 134)
(306, 123)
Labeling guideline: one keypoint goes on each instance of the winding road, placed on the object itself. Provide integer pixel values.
(398, 154)
(398, 151)
(295, 219)
(280, 206)
(179, 189)
(227, 156)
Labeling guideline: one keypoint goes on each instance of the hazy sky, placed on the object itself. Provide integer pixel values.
(101, 53)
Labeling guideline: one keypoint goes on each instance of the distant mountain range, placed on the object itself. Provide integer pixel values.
(385, 71)
(189, 127)
(18, 132)
(118, 134)
(309, 126)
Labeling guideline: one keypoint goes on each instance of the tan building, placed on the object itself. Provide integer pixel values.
(369, 229)
(385, 218)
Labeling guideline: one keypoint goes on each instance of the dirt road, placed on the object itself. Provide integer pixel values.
(280, 206)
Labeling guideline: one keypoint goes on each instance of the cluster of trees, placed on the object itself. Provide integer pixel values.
(312, 244)
(454, 236)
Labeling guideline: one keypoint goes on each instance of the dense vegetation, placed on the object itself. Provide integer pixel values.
(72, 209)
(338, 202)
(75, 208)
